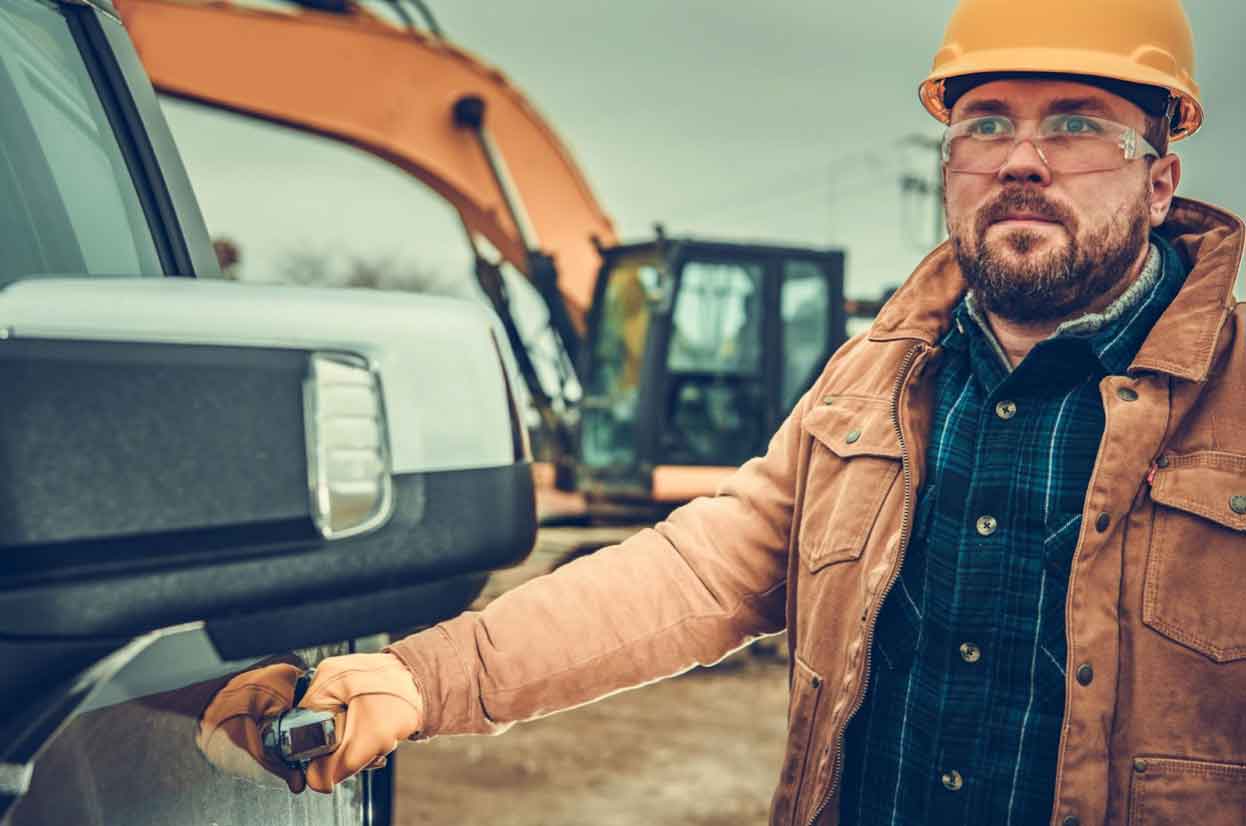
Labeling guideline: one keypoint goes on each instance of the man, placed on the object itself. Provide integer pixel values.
(1006, 530)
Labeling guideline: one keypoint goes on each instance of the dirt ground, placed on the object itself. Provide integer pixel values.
(702, 749)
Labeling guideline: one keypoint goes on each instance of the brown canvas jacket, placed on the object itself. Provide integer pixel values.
(810, 538)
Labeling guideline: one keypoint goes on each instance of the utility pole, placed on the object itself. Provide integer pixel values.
(933, 187)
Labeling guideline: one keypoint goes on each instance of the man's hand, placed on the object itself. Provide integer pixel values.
(372, 696)
(229, 731)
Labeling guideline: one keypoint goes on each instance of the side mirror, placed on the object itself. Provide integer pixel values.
(288, 466)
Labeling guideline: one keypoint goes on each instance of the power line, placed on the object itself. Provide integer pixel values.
(738, 204)
(784, 183)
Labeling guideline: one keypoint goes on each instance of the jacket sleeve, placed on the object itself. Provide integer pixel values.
(689, 591)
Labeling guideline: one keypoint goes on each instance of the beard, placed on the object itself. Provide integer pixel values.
(1014, 282)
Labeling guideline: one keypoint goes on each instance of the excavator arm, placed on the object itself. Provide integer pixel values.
(391, 91)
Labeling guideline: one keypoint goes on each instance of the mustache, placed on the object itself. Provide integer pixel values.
(1024, 200)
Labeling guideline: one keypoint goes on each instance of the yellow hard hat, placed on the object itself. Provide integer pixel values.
(1147, 42)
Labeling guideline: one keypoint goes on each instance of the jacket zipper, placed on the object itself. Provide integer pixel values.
(905, 527)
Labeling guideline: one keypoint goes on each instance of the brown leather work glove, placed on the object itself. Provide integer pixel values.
(229, 730)
(375, 704)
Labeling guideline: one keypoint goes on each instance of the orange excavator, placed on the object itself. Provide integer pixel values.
(688, 352)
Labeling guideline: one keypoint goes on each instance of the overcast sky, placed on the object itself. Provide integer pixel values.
(778, 121)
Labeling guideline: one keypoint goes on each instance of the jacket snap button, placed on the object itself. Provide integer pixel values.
(987, 525)
(853, 437)
(1101, 524)
(1071, 820)
(952, 781)
(816, 682)
(1238, 504)
(1139, 765)
(1161, 461)
(1127, 394)
(828, 399)
(1085, 673)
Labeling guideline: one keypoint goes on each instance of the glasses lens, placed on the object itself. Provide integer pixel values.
(967, 151)
(1082, 154)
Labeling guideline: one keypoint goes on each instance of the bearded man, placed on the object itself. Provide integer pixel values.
(1006, 530)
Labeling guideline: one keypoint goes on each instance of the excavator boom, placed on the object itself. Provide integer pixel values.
(390, 91)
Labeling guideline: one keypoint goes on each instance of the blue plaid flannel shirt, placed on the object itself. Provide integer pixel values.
(961, 721)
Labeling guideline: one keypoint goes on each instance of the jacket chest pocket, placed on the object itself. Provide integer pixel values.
(1196, 567)
(853, 466)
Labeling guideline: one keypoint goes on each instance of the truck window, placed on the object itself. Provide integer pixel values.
(67, 202)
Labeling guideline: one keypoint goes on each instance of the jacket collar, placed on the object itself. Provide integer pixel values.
(1183, 341)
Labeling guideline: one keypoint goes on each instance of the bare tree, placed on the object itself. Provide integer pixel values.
(312, 266)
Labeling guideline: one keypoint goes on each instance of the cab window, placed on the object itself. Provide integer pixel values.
(715, 405)
(634, 288)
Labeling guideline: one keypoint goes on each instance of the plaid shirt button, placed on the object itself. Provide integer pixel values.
(969, 652)
(987, 525)
(1006, 410)
(952, 781)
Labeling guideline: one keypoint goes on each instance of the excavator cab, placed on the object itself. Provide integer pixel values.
(696, 352)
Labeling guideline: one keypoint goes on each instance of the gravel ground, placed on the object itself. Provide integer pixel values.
(698, 750)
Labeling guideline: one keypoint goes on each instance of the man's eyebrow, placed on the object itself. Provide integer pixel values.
(987, 106)
(1059, 106)
(1089, 105)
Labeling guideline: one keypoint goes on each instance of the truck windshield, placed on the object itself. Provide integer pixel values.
(68, 205)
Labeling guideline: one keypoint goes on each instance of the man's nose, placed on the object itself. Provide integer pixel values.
(1025, 164)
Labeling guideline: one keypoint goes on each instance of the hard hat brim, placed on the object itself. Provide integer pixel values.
(1187, 120)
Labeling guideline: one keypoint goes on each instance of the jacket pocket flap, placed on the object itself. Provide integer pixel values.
(853, 426)
(1209, 483)
(1167, 790)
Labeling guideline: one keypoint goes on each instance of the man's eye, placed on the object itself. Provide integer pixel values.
(1076, 125)
(989, 128)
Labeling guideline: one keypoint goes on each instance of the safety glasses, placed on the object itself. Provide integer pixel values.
(1067, 144)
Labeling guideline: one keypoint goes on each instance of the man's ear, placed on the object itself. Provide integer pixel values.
(1165, 176)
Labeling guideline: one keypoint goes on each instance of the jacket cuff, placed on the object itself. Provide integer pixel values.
(439, 677)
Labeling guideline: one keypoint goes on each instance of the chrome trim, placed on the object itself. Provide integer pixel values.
(15, 778)
(103, 8)
(317, 472)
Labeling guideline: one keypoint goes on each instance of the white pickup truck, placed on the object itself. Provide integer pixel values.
(196, 475)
